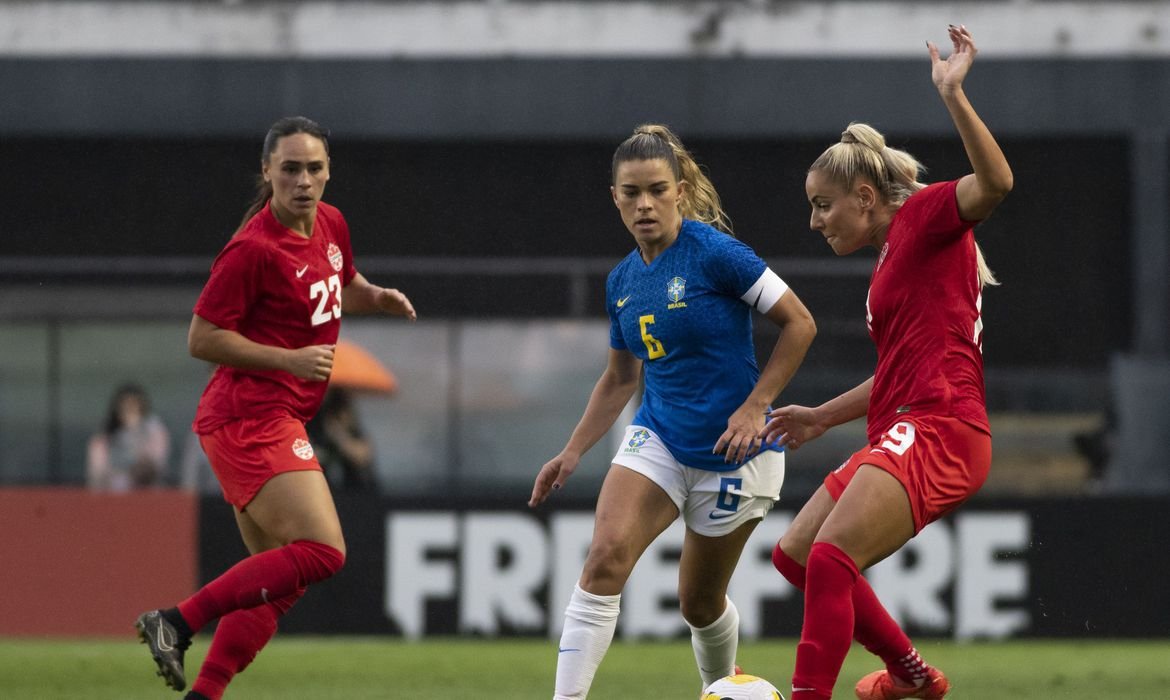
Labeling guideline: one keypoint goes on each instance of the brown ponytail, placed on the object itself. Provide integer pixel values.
(263, 194)
(700, 201)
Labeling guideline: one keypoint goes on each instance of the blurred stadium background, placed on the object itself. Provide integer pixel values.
(470, 150)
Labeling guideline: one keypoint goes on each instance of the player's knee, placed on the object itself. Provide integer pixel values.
(316, 561)
(608, 564)
(701, 607)
(796, 546)
(791, 569)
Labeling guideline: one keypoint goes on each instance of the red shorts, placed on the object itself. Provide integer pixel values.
(941, 462)
(246, 453)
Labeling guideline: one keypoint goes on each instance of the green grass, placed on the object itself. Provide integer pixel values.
(337, 668)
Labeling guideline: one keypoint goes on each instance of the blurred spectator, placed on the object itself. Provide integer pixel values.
(345, 453)
(131, 450)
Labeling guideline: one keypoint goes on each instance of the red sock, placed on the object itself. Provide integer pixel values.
(873, 627)
(240, 635)
(788, 567)
(261, 578)
(828, 622)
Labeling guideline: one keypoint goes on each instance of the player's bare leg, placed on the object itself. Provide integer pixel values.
(705, 570)
(631, 512)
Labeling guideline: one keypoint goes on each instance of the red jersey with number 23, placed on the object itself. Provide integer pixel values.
(923, 313)
(274, 287)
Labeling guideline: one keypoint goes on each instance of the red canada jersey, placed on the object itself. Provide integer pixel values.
(274, 287)
(923, 313)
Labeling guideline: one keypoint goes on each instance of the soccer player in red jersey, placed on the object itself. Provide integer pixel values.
(929, 441)
(269, 316)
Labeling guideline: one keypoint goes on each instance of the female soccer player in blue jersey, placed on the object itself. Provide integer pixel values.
(680, 309)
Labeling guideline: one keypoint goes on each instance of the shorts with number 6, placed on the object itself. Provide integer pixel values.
(711, 503)
(941, 462)
(246, 453)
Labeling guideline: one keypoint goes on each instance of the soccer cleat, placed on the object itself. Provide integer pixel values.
(879, 686)
(166, 646)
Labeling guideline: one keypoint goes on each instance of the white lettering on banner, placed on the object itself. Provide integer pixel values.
(650, 598)
(912, 581)
(505, 558)
(410, 578)
(571, 534)
(494, 587)
(983, 581)
(755, 580)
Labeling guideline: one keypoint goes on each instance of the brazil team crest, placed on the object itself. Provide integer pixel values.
(638, 439)
(676, 288)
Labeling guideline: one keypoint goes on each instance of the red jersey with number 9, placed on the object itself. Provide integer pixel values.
(274, 287)
(923, 313)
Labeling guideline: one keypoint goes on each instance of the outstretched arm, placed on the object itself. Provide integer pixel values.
(979, 193)
(793, 426)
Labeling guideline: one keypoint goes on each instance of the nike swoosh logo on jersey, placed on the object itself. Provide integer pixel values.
(622, 302)
(301, 272)
(720, 514)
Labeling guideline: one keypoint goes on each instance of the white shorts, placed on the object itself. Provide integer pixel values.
(711, 503)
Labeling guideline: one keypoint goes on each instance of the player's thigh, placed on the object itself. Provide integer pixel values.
(872, 518)
(295, 506)
(705, 570)
(797, 540)
(631, 511)
(255, 538)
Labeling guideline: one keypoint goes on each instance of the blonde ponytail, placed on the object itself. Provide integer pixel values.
(862, 152)
(986, 276)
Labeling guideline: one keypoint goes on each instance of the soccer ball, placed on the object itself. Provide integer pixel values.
(741, 687)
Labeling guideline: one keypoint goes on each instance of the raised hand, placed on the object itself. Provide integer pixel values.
(948, 73)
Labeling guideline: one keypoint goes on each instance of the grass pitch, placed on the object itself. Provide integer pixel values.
(348, 668)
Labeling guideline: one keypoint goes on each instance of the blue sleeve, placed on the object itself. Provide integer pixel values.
(733, 266)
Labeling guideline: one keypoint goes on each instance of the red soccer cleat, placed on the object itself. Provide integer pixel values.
(879, 686)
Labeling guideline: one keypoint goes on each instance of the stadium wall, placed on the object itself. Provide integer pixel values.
(997, 569)
(426, 567)
(76, 563)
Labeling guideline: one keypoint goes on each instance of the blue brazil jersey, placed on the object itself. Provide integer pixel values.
(683, 317)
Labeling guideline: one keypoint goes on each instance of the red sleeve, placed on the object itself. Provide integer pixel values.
(934, 211)
(233, 285)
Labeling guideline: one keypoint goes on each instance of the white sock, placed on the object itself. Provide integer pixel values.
(715, 645)
(589, 624)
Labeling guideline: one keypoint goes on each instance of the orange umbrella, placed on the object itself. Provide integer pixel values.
(355, 368)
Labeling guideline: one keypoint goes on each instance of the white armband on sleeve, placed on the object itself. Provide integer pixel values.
(767, 290)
